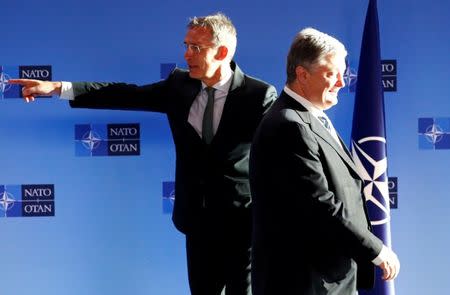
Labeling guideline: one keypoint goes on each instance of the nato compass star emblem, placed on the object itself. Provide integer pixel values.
(91, 140)
(168, 196)
(172, 197)
(434, 133)
(4, 86)
(350, 78)
(372, 165)
(6, 201)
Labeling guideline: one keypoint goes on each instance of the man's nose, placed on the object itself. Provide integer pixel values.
(188, 52)
(340, 80)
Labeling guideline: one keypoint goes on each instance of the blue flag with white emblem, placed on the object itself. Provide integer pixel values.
(369, 139)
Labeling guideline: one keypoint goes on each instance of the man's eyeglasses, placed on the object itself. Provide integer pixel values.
(195, 48)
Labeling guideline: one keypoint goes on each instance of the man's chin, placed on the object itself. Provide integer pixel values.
(193, 75)
(330, 102)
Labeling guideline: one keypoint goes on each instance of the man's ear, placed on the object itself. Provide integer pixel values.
(302, 74)
(222, 53)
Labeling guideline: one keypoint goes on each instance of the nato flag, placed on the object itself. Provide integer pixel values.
(369, 138)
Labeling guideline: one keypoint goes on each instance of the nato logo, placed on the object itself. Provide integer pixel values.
(28, 200)
(388, 76)
(8, 90)
(350, 78)
(372, 164)
(434, 133)
(26, 72)
(4, 86)
(92, 140)
(393, 192)
(168, 196)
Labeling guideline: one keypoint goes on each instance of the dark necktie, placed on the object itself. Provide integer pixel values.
(207, 125)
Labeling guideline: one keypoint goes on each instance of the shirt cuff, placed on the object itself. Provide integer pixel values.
(383, 256)
(66, 91)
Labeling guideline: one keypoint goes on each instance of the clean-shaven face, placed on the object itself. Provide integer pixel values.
(202, 64)
(325, 80)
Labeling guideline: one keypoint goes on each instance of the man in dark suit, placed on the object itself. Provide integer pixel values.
(311, 230)
(213, 110)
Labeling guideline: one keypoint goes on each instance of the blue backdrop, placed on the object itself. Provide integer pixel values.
(109, 234)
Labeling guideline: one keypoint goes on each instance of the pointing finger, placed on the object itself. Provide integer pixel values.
(23, 82)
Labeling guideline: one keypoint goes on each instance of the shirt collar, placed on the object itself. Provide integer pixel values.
(224, 84)
(304, 102)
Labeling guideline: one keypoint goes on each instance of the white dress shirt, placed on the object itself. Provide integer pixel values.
(198, 106)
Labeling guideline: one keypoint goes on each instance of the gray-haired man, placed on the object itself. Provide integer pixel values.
(311, 231)
(213, 110)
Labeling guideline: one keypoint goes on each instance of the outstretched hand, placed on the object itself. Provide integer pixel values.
(34, 88)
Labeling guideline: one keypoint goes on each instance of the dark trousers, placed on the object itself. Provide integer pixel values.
(218, 258)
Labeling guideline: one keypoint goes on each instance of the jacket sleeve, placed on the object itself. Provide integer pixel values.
(155, 97)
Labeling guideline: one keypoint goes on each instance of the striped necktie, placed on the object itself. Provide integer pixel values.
(325, 122)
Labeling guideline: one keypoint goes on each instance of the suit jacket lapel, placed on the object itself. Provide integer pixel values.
(343, 152)
(344, 146)
(232, 97)
(320, 131)
(189, 91)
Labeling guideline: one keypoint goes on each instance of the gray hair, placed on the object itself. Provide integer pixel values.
(309, 49)
(222, 29)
